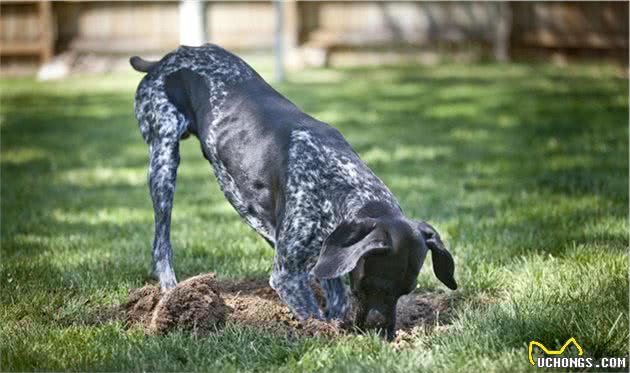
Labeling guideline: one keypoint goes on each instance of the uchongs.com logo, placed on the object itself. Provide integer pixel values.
(553, 358)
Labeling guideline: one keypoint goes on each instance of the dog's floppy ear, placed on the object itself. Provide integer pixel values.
(350, 241)
(443, 265)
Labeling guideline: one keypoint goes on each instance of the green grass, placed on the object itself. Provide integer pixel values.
(523, 168)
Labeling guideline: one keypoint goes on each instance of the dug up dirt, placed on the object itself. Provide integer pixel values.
(202, 304)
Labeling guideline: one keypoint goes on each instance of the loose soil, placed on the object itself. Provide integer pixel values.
(202, 304)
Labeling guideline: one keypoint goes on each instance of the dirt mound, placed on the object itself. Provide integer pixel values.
(421, 310)
(195, 305)
(416, 313)
(140, 305)
(254, 303)
(202, 302)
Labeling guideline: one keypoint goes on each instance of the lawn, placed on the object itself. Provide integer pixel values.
(522, 168)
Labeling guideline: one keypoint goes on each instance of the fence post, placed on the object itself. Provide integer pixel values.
(503, 32)
(278, 42)
(192, 23)
(47, 37)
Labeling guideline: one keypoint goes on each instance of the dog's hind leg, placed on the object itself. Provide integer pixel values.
(162, 127)
(163, 163)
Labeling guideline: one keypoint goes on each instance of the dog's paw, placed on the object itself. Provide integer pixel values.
(167, 283)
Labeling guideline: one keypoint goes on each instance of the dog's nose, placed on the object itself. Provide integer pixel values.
(384, 327)
(375, 319)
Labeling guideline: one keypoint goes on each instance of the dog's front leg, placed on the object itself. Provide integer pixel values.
(164, 159)
(336, 298)
(294, 289)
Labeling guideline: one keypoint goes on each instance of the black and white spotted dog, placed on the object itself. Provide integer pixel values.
(292, 178)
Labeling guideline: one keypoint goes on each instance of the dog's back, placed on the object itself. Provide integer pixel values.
(247, 131)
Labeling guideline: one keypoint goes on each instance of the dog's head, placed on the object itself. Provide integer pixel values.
(383, 257)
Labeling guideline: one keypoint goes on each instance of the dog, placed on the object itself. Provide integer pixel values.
(293, 179)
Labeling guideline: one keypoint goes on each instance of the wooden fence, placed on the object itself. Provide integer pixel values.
(597, 29)
(26, 29)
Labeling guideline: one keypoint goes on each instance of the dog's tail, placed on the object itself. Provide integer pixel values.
(141, 65)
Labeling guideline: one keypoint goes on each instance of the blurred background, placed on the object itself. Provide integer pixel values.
(84, 36)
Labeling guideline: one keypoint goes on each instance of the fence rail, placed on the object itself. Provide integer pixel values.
(123, 27)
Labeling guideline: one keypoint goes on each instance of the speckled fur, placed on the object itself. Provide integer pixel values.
(324, 184)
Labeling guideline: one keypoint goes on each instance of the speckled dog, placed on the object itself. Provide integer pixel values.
(292, 178)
